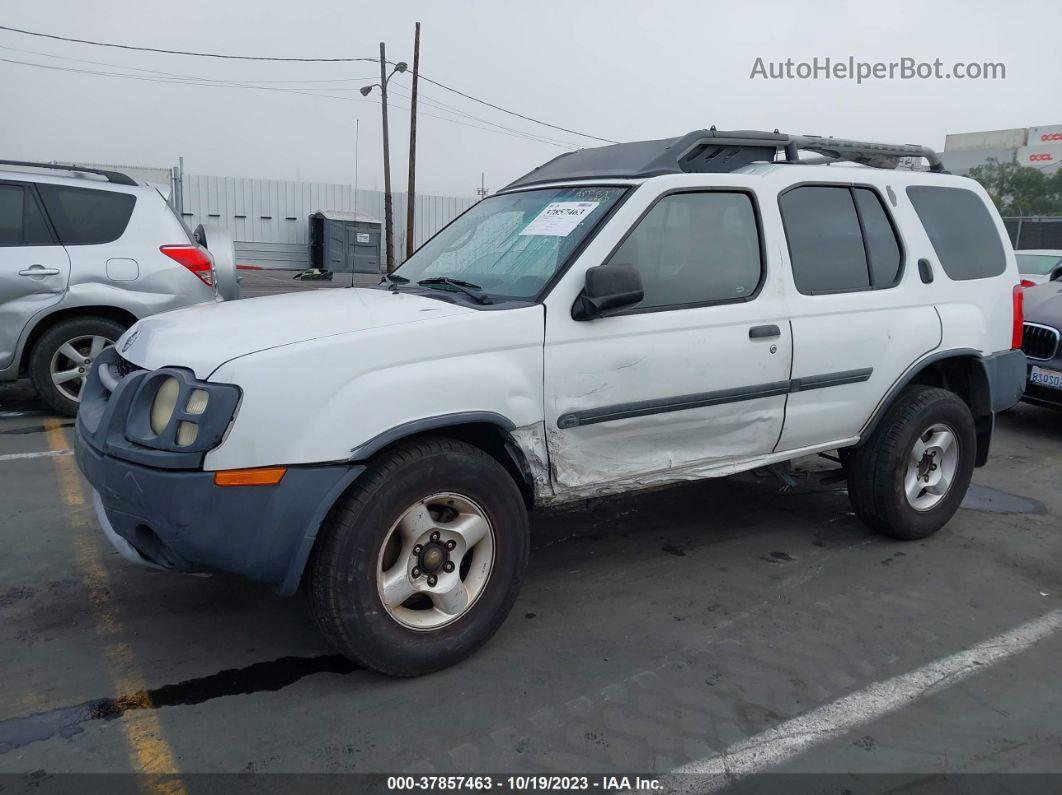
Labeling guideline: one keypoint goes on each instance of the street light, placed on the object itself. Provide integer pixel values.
(365, 91)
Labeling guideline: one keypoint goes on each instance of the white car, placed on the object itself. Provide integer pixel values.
(85, 253)
(620, 318)
(1038, 266)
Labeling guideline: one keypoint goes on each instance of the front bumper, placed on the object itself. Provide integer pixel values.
(180, 521)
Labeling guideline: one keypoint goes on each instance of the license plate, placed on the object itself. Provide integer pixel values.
(1048, 378)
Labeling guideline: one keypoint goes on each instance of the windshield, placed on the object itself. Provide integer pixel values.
(1037, 264)
(510, 245)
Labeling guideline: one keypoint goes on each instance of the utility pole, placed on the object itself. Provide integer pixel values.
(482, 187)
(388, 219)
(411, 191)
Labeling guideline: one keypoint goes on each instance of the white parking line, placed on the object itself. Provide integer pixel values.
(793, 737)
(43, 454)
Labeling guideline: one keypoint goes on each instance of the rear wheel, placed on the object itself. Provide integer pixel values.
(908, 480)
(61, 358)
(421, 562)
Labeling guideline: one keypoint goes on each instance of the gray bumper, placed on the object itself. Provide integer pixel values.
(1006, 372)
(181, 521)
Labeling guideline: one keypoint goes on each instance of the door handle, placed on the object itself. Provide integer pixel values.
(37, 270)
(764, 332)
(925, 271)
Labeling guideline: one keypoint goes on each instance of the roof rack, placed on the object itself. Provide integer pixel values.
(115, 177)
(716, 151)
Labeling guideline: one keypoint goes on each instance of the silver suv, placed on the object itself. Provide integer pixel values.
(84, 254)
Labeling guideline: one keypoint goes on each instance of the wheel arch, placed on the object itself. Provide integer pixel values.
(52, 319)
(487, 430)
(961, 371)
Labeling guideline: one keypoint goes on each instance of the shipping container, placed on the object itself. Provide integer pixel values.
(990, 139)
(962, 161)
(1046, 158)
(1045, 136)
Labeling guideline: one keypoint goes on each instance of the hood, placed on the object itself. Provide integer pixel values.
(1043, 304)
(204, 336)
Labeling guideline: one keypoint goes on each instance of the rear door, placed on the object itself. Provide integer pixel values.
(689, 379)
(34, 268)
(861, 315)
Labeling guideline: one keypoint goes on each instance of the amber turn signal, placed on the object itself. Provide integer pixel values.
(259, 476)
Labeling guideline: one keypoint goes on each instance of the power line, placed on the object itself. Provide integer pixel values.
(219, 84)
(318, 60)
(182, 52)
(188, 77)
(513, 112)
(242, 83)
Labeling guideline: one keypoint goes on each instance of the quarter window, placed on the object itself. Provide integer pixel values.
(840, 239)
(695, 248)
(961, 230)
(83, 216)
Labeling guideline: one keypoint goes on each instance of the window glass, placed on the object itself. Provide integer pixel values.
(34, 228)
(694, 248)
(962, 231)
(825, 243)
(10, 215)
(83, 216)
(882, 247)
(21, 220)
(510, 245)
(1037, 264)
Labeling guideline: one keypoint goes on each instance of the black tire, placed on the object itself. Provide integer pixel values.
(48, 344)
(876, 470)
(341, 580)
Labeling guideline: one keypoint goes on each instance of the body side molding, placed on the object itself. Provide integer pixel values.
(622, 411)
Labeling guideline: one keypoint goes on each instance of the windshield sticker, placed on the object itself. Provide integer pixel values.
(558, 219)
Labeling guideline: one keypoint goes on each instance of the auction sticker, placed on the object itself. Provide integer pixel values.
(558, 219)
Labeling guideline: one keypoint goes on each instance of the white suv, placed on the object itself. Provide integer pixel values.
(85, 253)
(619, 318)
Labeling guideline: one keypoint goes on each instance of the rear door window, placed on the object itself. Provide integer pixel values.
(83, 216)
(961, 230)
(21, 220)
(840, 239)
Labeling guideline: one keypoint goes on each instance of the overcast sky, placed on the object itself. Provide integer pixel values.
(618, 70)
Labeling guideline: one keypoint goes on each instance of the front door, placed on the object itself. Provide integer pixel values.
(34, 268)
(689, 379)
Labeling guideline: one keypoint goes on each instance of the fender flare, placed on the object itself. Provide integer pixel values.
(368, 449)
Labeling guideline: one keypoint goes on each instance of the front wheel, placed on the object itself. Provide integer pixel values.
(421, 561)
(909, 478)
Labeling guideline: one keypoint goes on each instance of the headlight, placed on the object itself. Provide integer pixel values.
(164, 404)
(173, 411)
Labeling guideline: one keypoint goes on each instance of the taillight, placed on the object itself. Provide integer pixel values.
(1019, 317)
(195, 258)
(1026, 283)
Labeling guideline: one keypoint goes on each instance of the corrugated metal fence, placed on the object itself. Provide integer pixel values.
(268, 219)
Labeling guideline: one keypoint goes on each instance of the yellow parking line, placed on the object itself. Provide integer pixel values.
(148, 750)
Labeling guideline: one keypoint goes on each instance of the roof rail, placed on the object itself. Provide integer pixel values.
(715, 151)
(115, 177)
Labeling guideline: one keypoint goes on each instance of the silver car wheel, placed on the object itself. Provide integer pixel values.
(931, 467)
(70, 364)
(435, 561)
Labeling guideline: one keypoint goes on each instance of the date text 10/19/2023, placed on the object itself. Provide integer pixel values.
(486, 783)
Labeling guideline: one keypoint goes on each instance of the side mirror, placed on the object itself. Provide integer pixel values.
(608, 287)
(1056, 274)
